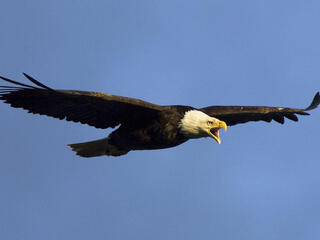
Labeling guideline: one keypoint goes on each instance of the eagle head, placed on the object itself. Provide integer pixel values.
(197, 124)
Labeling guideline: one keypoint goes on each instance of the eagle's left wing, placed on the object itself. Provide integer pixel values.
(97, 109)
(233, 115)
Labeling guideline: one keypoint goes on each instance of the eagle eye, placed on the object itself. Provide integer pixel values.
(210, 122)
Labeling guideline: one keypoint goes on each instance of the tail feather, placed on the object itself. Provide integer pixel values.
(97, 148)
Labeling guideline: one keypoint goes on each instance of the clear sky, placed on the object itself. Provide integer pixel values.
(262, 182)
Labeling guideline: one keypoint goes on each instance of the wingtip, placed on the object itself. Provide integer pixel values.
(31, 79)
(28, 76)
(315, 102)
(5, 79)
(15, 82)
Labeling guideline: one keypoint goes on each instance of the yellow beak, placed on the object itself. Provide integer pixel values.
(214, 131)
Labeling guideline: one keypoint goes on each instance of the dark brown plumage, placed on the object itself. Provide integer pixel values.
(233, 115)
(143, 125)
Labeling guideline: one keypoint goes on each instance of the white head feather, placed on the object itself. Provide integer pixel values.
(196, 124)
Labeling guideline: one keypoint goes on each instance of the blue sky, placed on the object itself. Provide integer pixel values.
(262, 182)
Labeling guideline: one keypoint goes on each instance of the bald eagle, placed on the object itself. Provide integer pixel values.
(143, 125)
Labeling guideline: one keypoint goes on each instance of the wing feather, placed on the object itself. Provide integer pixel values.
(233, 115)
(100, 110)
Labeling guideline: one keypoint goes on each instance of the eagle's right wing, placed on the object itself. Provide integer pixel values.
(241, 114)
(96, 109)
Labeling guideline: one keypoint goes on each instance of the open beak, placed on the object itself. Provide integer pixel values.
(214, 131)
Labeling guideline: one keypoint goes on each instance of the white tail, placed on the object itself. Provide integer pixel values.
(97, 148)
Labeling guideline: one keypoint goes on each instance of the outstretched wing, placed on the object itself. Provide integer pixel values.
(96, 109)
(233, 115)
